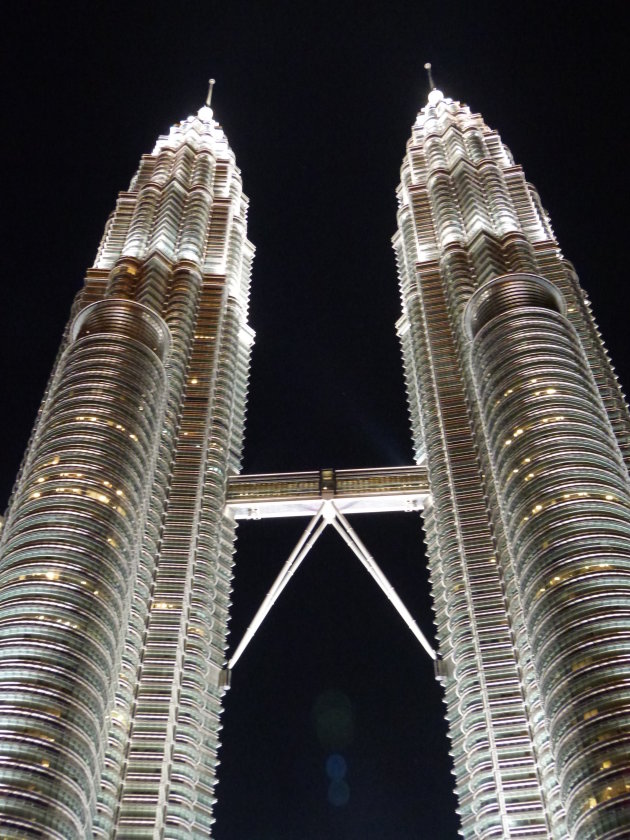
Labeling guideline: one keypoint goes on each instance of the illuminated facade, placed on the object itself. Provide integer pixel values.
(116, 554)
(115, 557)
(520, 421)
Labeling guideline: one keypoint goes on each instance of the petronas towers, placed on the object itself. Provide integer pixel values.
(116, 552)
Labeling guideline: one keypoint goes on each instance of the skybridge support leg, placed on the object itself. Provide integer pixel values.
(351, 538)
(328, 514)
(304, 545)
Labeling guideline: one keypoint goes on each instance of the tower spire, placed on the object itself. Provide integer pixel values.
(427, 67)
(209, 96)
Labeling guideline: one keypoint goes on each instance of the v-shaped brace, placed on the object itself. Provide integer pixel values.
(328, 514)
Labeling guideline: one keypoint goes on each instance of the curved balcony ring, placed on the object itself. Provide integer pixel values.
(118, 316)
(510, 291)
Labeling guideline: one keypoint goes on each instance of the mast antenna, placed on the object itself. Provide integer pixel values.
(209, 96)
(427, 67)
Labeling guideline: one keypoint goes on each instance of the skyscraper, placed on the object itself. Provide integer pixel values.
(115, 562)
(526, 438)
(116, 552)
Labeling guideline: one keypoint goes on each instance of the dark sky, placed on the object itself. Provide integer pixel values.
(317, 101)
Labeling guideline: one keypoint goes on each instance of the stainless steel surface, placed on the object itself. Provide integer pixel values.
(116, 558)
(467, 218)
(566, 507)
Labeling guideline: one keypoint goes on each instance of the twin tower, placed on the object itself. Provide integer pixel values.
(116, 553)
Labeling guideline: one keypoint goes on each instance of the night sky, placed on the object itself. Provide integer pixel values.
(317, 101)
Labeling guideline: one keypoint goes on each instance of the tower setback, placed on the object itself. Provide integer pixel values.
(525, 433)
(115, 570)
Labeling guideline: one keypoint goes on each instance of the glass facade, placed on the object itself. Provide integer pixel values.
(115, 570)
(524, 431)
(566, 508)
(116, 550)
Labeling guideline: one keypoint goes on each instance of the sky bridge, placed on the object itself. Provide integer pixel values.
(326, 496)
(375, 490)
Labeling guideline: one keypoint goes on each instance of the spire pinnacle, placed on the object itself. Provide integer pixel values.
(209, 96)
(435, 95)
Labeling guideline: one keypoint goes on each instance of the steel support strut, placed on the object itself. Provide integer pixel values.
(328, 514)
(351, 538)
(304, 545)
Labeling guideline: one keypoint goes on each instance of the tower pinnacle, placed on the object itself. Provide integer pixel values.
(435, 95)
(209, 96)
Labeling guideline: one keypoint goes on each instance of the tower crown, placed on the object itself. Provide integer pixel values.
(200, 130)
